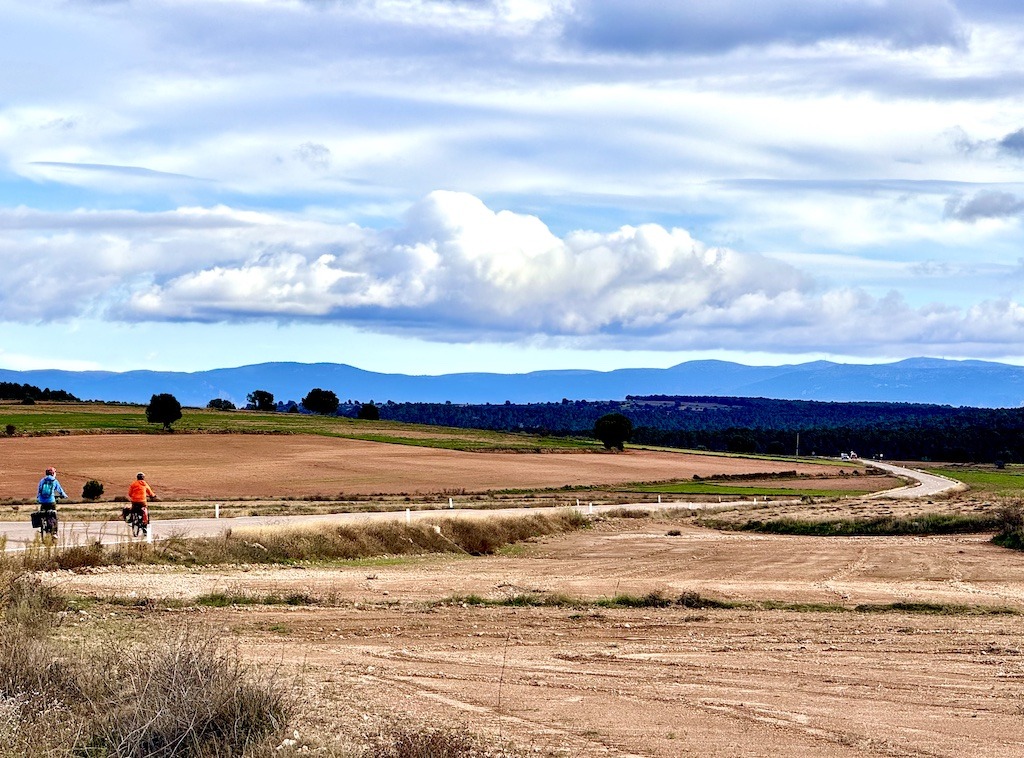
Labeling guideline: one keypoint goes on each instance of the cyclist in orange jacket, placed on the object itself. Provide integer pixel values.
(137, 493)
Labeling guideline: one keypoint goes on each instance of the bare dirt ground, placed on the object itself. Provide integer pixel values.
(647, 682)
(221, 466)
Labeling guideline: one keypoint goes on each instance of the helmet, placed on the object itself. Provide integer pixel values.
(140, 475)
(51, 471)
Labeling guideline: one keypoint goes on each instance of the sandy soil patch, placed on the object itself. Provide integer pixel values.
(219, 466)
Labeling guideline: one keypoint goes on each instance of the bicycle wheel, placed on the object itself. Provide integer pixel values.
(137, 527)
(48, 526)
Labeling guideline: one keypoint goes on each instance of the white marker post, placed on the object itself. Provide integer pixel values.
(590, 508)
(408, 516)
(149, 534)
(216, 510)
(451, 503)
(659, 499)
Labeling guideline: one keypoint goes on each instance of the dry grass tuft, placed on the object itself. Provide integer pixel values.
(183, 695)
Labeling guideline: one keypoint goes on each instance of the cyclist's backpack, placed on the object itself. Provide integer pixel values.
(46, 489)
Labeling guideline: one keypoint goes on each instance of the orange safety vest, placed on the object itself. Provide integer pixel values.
(138, 490)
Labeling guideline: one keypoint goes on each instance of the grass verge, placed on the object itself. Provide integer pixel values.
(322, 543)
(694, 600)
(888, 526)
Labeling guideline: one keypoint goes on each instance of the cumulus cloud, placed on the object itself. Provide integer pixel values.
(644, 26)
(984, 204)
(455, 270)
(462, 270)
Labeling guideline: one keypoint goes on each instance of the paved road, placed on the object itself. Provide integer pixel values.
(20, 534)
(926, 485)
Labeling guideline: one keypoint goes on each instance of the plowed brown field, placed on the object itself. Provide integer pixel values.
(218, 466)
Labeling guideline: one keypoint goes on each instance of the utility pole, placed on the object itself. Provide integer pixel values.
(798, 444)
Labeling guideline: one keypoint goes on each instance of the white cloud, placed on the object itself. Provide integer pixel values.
(460, 269)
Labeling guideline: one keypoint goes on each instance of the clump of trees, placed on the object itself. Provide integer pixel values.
(261, 400)
(221, 404)
(163, 409)
(614, 430)
(321, 401)
(369, 412)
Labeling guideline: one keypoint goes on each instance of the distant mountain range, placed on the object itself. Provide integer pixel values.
(917, 380)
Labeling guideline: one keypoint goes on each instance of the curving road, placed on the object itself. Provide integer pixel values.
(19, 535)
(925, 484)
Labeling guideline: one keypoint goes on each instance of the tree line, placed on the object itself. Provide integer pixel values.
(31, 393)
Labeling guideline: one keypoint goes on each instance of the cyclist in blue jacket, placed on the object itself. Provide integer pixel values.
(49, 490)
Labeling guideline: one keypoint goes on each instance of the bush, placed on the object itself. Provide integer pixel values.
(92, 490)
(10, 429)
(1011, 526)
(410, 741)
(181, 695)
(186, 695)
(220, 404)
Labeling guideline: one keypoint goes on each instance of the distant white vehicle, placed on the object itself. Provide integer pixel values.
(844, 456)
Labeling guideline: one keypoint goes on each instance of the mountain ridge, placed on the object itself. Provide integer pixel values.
(915, 380)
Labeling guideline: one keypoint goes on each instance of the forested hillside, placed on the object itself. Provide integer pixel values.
(892, 430)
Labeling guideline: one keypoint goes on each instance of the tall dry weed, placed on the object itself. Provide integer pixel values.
(187, 695)
(183, 695)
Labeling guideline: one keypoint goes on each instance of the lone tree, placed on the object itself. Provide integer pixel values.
(613, 429)
(220, 404)
(321, 401)
(92, 489)
(261, 400)
(369, 412)
(163, 409)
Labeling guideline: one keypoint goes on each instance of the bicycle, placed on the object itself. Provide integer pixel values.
(136, 522)
(47, 524)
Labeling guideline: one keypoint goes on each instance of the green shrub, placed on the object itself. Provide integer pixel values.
(92, 490)
(1011, 526)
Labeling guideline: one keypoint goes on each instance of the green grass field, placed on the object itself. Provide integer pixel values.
(95, 418)
(1008, 482)
(742, 490)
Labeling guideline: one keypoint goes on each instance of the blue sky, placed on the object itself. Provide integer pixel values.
(428, 186)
